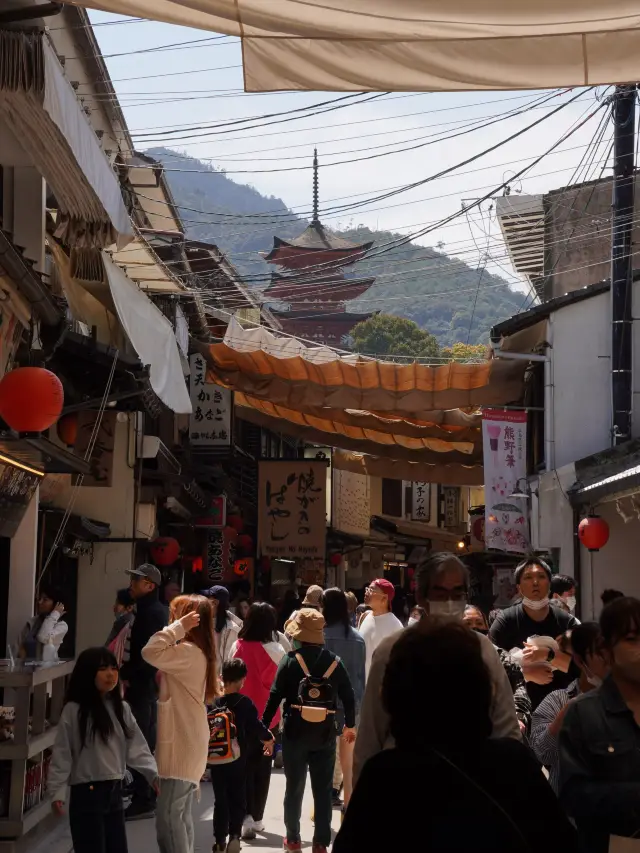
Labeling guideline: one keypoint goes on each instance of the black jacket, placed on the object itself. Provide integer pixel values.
(151, 616)
(489, 797)
(599, 749)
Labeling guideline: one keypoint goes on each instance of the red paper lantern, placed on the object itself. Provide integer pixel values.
(245, 544)
(196, 564)
(593, 532)
(335, 559)
(165, 551)
(242, 567)
(236, 522)
(31, 399)
(68, 429)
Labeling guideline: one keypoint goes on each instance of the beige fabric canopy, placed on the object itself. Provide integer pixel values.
(399, 469)
(367, 425)
(285, 371)
(415, 45)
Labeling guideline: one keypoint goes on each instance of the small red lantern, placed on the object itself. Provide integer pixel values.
(236, 522)
(68, 429)
(335, 559)
(593, 532)
(196, 564)
(31, 399)
(165, 551)
(245, 544)
(242, 567)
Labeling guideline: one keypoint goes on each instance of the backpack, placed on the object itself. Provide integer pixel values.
(223, 736)
(316, 696)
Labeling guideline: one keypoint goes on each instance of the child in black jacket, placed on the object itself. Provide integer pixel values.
(229, 780)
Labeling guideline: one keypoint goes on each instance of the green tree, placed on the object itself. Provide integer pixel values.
(385, 334)
(465, 352)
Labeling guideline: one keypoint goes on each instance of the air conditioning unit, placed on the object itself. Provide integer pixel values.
(154, 448)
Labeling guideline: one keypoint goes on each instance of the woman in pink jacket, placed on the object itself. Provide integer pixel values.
(257, 648)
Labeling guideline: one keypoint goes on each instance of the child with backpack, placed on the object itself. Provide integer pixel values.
(310, 679)
(234, 724)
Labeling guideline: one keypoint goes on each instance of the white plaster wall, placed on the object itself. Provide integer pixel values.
(22, 572)
(581, 375)
(99, 580)
(616, 565)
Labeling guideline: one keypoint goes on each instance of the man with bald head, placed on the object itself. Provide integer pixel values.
(442, 583)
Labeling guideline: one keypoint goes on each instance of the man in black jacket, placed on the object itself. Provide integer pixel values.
(139, 678)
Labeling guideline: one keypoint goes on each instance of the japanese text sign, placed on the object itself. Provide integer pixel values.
(210, 422)
(421, 501)
(451, 500)
(292, 508)
(504, 436)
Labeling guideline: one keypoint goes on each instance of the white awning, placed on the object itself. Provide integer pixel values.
(152, 337)
(41, 109)
(415, 45)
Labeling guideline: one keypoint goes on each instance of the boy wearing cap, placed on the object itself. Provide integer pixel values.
(380, 622)
(139, 677)
(309, 745)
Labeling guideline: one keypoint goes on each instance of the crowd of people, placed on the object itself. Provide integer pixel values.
(516, 730)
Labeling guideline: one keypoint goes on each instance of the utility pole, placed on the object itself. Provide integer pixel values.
(624, 122)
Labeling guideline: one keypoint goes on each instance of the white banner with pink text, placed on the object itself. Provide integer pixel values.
(504, 437)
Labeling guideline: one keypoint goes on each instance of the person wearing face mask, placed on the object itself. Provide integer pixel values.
(442, 582)
(545, 669)
(563, 588)
(381, 622)
(475, 619)
(586, 645)
(600, 742)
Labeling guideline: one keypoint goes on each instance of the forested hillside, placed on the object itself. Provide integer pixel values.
(420, 283)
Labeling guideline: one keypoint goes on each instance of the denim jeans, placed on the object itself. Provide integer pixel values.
(298, 757)
(96, 818)
(174, 820)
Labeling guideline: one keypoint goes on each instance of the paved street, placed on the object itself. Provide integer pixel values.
(142, 835)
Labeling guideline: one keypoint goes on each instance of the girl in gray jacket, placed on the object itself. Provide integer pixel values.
(97, 738)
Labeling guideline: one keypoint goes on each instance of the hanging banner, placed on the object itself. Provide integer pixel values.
(504, 437)
(220, 554)
(420, 501)
(292, 508)
(451, 501)
(210, 421)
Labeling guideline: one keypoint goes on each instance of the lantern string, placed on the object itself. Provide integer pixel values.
(87, 456)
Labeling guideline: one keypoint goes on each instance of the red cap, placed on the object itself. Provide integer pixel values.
(384, 586)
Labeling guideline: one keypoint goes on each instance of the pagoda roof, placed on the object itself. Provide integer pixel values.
(317, 238)
(297, 287)
(309, 314)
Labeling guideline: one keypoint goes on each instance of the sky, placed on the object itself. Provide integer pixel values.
(199, 82)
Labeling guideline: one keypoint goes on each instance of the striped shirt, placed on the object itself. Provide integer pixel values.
(543, 743)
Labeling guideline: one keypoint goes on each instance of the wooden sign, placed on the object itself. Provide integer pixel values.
(292, 508)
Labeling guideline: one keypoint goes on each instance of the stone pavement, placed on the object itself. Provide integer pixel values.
(142, 838)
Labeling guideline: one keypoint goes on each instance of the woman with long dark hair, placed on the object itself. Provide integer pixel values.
(97, 738)
(344, 641)
(184, 654)
(257, 648)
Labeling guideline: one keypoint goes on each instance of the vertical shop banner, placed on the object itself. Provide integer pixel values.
(210, 421)
(220, 555)
(451, 501)
(420, 501)
(504, 437)
(17, 488)
(292, 520)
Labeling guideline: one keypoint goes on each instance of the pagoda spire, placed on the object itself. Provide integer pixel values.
(315, 220)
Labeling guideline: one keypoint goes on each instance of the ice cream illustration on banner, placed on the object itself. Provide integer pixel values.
(494, 431)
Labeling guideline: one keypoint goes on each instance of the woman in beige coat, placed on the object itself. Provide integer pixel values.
(184, 653)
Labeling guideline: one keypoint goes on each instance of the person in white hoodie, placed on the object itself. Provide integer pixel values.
(380, 622)
(43, 634)
(227, 624)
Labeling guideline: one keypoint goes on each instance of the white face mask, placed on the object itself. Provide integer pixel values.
(535, 605)
(447, 608)
(571, 602)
